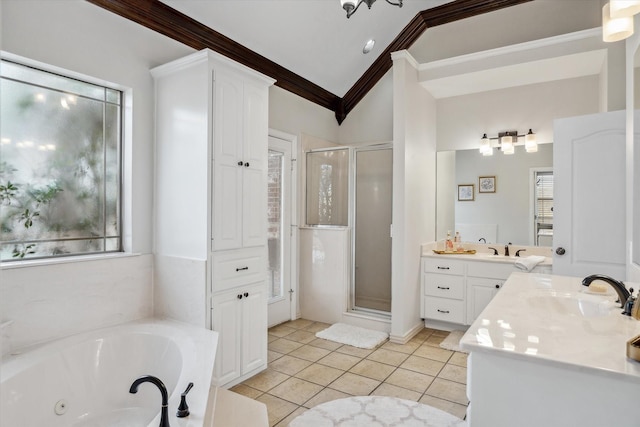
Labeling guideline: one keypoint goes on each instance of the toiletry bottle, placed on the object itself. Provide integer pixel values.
(449, 243)
(458, 242)
(635, 310)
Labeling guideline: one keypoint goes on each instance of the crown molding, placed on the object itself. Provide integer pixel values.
(165, 20)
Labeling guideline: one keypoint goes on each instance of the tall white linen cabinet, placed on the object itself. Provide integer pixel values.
(211, 202)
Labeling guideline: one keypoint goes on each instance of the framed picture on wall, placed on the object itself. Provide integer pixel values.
(466, 192)
(487, 184)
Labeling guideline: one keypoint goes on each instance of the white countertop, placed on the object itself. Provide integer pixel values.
(483, 257)
(555, 320)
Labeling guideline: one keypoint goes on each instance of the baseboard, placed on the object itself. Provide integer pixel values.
(403, 339)
(444, 326)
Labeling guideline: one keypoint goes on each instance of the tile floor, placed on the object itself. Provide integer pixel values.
(305, 371)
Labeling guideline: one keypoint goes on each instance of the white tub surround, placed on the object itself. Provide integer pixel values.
(84, 380)
(52, 299)
(547, 352)
(456, 288)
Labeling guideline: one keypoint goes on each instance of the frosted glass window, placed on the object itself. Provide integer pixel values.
(328, 187)
(60, 165)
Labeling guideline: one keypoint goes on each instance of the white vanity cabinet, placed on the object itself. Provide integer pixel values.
(240, 317)
(484, 280)
(211, 200)
(457, 288)
(443, 290)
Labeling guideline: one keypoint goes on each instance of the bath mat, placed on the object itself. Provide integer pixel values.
(365, 411)
(452, 341)
(353, 335)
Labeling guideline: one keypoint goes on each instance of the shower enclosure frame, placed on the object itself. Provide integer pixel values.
(352, 307)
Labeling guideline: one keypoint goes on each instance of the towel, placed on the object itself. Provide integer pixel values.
(529, 263)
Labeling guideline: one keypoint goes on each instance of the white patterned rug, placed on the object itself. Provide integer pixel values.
(452, 341)
(353, 335)
(379, 411)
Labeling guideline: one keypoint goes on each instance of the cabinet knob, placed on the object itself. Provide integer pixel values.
(240, 163)
(239, 296)
(560, 250)
(497, 286)
(246, 164)
(246, 294)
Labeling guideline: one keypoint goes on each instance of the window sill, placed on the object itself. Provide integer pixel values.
(9, 265)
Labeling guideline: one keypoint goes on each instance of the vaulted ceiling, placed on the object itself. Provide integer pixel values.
(308, 46)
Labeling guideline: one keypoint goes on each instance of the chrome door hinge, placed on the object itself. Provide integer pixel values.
(293, 164)
(290, 294)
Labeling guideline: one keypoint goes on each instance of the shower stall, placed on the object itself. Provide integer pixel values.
(352, 187)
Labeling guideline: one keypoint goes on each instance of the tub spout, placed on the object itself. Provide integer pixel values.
(164, 415)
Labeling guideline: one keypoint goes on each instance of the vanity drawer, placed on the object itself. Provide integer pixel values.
(447, 310)
(443, 266)
(237, 268)
(494, 270)
(444, 285)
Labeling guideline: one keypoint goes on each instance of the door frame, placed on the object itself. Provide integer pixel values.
(293, 260)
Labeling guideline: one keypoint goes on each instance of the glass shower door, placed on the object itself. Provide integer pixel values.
(372, 244)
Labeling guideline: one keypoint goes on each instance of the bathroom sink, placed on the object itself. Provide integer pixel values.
(574, 304)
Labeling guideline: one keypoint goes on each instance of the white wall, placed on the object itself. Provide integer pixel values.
(414, 176)
(463, 119)
(372, 118)
(54, 300)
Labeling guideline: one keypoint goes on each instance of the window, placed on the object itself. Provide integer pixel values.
(60, 165)
(327, 187)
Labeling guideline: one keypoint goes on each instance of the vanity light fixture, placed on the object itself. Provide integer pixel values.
(506, 142)
(350, 6)
(617, 19)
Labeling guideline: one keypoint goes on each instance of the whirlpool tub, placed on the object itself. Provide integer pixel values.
(84, 380)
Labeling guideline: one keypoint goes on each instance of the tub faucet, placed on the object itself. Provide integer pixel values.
(164, 415)
(618, 286)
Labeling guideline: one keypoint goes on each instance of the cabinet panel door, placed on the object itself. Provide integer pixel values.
(480, 292)
(256, 126)
(254, 208)
(254, 327)
(227, 123)
(226, 318)
(227, 206)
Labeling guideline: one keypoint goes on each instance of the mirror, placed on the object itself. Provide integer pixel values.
(500, 198)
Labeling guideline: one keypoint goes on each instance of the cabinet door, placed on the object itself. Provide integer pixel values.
(254, 327)
(227, 317)
(255, 147)
(228, 164)
(480, 292)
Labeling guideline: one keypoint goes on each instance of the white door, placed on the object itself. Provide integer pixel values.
(279, 232)
(589, 180)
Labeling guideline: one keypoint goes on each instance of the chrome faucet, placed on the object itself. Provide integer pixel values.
(164, 415)
(506, 249)
(618, 286)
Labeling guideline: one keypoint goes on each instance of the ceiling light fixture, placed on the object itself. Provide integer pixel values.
(617, 19)
(506, 142)
(368, 46)
(350, 6)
